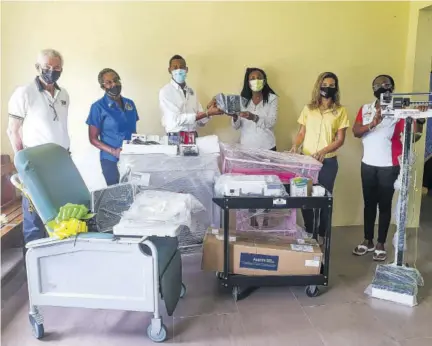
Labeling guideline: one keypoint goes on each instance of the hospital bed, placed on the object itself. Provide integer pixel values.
(93, 270)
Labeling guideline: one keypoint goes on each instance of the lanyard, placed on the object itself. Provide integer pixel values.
(51, 105)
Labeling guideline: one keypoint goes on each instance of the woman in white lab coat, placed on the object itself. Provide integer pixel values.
(257, 121)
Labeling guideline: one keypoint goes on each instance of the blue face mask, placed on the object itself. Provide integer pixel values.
(50, 76)
(179, 76)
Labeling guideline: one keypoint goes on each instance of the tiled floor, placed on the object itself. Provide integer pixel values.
(341, 316)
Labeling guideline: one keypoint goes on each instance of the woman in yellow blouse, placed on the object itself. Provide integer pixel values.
(323, 123)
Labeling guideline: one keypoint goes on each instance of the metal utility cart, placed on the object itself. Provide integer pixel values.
(243, 285)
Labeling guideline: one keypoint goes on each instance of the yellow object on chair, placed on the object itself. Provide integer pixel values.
(66, 229)
(68, 221)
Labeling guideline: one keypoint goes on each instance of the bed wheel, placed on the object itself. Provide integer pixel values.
(160, 337)
(38, 329)
(183, 290)
(312, 291)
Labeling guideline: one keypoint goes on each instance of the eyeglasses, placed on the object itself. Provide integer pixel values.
(382, 85)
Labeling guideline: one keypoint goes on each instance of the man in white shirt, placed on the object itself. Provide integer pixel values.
(181, 110)
(38, 115)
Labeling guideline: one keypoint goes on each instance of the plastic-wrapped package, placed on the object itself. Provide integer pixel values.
(242, 160)
(395, 283)
(230, 104)
(110, 203)
(158, 213)
(282, 222)
(194, 175)
(249, 185)
(208, 144)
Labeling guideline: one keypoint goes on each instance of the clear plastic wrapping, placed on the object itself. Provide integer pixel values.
(242, 160)
(158, 213)
(396, 283)
(230, 104)
(194, 175)
(401, 202)
(110, 203)
(281, 222)
(249, 185)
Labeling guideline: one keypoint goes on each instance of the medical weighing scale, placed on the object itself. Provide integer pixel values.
(397, 282)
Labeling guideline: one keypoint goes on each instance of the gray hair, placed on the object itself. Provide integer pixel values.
(48, 53)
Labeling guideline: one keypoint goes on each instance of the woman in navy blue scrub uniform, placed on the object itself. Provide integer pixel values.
(112, 119)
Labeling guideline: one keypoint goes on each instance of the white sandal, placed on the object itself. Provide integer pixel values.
(380, 255)
(361, 250)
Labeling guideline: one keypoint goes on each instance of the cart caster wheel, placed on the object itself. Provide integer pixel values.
(183, 291)
(312, 291)
(160, 337)
(38, 329)
(236, 292)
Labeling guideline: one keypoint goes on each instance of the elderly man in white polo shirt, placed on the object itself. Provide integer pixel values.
(181, 110)
(38, 115)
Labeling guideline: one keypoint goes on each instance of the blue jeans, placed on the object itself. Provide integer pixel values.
(33, 227)
(110, 172)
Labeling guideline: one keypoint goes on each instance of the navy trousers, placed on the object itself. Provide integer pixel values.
(110, 172)
(33, 227)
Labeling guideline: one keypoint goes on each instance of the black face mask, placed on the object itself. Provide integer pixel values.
(327, 93)
(50, 76)
(114, 91)
(380, 91)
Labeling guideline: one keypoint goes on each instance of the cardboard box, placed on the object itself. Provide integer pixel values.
(301, 187)
(252, 253)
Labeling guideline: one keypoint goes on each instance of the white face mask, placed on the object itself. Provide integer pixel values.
(256, 84)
